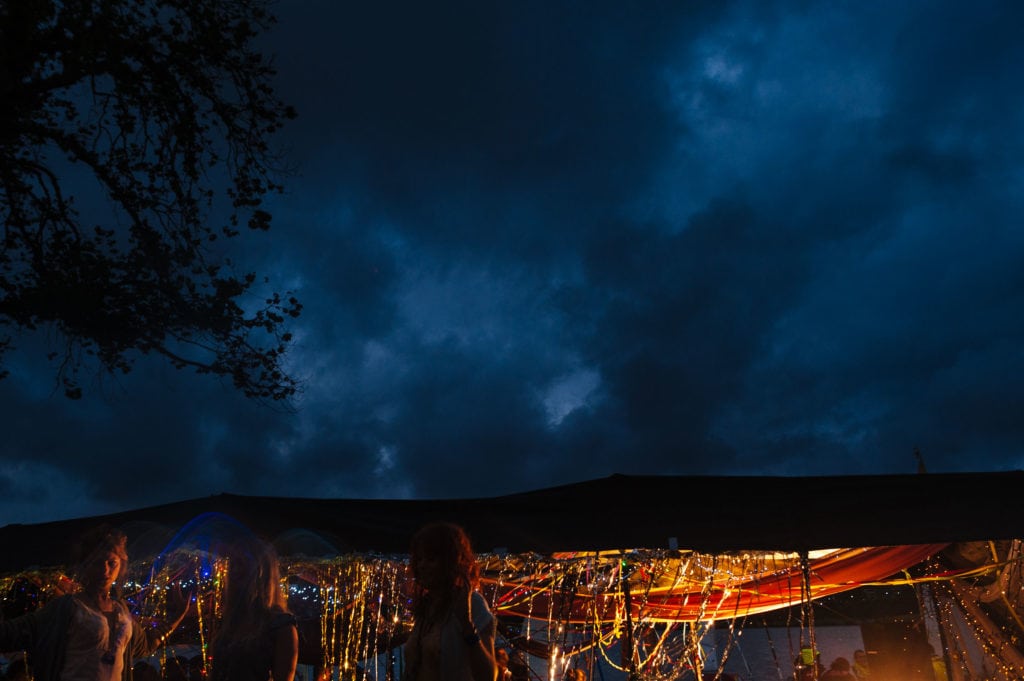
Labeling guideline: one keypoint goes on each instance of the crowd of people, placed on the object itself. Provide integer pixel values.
(808, 668)
(90, 633)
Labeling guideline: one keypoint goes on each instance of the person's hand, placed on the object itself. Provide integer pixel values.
(179, 604)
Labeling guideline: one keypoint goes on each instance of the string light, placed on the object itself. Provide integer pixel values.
(574, 605)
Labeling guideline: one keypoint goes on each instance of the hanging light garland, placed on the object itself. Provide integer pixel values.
(655, 606)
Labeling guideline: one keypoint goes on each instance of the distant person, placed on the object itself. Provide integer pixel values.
(861, 667)
(90, 633)
(453, 632)
(518, 666)
(143, 671)
(175, 668)
(257, 638)
(839, 670)
(916, 662)
(804, 671)
(501, 660)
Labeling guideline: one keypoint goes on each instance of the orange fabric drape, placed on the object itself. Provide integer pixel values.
(721, 596)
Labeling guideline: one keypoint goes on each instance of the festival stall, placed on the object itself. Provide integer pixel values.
(622, 577)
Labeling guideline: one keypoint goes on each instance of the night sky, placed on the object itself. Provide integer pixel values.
(539, 243)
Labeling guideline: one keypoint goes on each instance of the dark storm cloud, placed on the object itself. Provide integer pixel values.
(675, 318)
(147, 437)
(922, 315)
(425, 109)
(538, 245)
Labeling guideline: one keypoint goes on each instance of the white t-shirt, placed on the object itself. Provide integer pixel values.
(96, 643)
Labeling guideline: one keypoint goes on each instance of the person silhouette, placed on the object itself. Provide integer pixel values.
(839, 670)
(861, 666)
(453, 632)
(501, 660)
(257, 638)
(90, 632)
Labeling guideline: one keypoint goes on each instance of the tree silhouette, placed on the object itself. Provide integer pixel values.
(163, 110)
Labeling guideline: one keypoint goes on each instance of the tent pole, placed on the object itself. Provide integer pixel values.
(627, 649)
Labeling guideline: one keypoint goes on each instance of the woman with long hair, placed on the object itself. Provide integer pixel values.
(453, 633)
(88, 634)
(257, 637)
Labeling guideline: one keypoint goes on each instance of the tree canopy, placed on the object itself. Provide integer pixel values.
(135, 135)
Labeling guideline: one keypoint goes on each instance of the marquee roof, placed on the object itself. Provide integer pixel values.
(712, 514)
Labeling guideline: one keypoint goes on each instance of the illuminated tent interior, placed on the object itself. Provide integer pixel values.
(629, 572)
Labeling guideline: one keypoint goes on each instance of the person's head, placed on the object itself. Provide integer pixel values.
(252, 593)
(143, 671)
(176, 669)
(501, 658)
(101, 558)
(442, 559)
(841, 664)
(254, 578)
(860, 657)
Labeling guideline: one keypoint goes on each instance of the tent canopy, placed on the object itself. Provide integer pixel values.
(712, 514)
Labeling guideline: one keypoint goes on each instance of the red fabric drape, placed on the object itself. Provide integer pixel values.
(723, 596)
